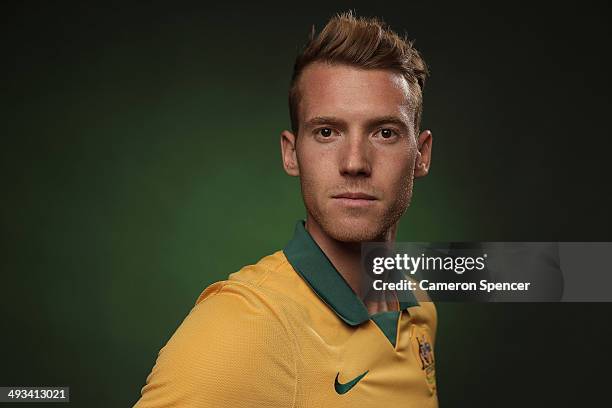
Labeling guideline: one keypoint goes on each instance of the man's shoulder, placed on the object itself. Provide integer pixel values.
(228, 308)
(264, 285)
(234, 333)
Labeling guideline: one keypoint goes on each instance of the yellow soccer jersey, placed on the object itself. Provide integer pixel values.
(290, 332)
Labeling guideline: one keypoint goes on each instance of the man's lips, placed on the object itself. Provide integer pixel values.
(355, 196)
(354, 199)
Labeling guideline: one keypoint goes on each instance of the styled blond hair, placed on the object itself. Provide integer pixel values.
(366, 43)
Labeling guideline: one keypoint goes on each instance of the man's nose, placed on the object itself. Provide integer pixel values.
(355, 156)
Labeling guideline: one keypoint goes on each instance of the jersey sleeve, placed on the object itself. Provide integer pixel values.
(230, 351)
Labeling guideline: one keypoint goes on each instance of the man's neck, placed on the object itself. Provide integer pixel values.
(346, 258)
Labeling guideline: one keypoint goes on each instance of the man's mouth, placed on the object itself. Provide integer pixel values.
(354, 199)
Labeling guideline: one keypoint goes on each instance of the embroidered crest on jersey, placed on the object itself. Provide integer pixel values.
(424, 350)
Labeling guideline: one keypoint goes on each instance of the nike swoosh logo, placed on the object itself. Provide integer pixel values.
(346, 387)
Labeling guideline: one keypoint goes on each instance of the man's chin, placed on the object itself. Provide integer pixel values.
(355, 229)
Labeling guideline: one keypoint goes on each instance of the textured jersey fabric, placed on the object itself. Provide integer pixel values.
(277, 335)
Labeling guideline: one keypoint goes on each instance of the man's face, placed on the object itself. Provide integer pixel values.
(355, 150)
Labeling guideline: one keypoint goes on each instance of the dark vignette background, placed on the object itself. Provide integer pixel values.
(140, 163)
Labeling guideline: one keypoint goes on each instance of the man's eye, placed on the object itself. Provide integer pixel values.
(387, 133)
(325, 132)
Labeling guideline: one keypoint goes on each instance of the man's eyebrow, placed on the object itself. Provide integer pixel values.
(325, 120)
(371, 123)
(387, 120)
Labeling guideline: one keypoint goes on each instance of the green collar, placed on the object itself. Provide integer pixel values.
(311, 263)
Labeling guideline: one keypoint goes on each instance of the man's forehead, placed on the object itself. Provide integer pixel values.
(353, 91)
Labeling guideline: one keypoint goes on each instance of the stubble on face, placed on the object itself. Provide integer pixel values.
(354, 96)
(355, 224)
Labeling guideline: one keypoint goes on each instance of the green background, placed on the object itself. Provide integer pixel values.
(140, 163)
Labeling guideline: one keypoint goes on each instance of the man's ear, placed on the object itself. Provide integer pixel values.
(423, 160)
(288, 154)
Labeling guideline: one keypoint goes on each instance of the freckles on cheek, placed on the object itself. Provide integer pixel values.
(313, 164)
(315, 158)
(397, 173)
(399, 163)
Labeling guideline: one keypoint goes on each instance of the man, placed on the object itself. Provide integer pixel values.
(298, 328)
